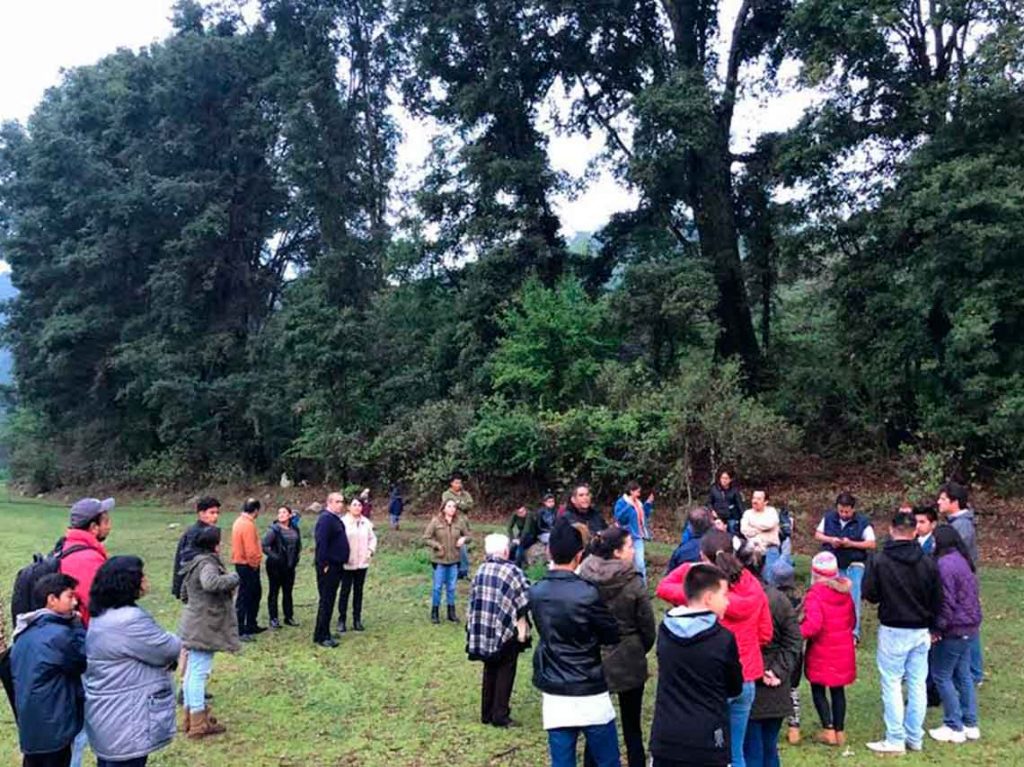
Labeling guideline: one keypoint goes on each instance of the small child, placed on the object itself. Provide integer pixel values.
(698, 672)
(828, 625)
(47, 663)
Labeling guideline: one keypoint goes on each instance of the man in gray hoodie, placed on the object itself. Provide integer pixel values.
(952, 502)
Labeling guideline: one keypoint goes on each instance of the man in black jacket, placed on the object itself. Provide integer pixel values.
(207, 514)
(573, 624)
(331, 555)
(580, 511)
(905, 585)
(698, 671)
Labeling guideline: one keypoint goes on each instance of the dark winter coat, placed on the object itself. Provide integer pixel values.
(960, 615)
(331, 541)
(184, 553)
(129, 698)
(904, 583)
(623, 592)
(728, 504)
(964, 524)
(829, 620)
(47, 662)
(573, 624)
(208, 620)
(280, 553)
(592, 518)
(781, 656)
(698, 671)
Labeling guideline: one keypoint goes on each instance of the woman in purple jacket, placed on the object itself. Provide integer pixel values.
(958, 622)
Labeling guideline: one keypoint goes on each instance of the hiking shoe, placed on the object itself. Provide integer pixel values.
(885, 747)
(946, 734)
(330, 642)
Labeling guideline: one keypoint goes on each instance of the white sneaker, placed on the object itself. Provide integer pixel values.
(946, 734)
(885, 747)
(972, 733)
(915, 746)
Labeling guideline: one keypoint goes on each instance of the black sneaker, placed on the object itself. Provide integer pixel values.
(357, 625)
(328, 642)
(275, 624)
(259, 629)
(290, 622)
(246, 638)
(341, 627)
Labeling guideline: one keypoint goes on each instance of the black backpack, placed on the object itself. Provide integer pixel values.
(25, 581)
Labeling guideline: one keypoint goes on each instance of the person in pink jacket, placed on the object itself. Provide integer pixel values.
(362, 544)
(831, 661)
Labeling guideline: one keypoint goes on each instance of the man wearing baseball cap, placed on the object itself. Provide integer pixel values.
(88, 527)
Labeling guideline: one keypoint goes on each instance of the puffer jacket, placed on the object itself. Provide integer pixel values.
(442, 537)
(129, 699)
(747, 617)
(47, 661)
(208, 620)
(960, 614)
(623, 593)
(829, 620)
(781, 657)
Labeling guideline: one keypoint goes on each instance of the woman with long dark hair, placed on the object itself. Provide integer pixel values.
(129, 698)
(958, 623)
(611, 568)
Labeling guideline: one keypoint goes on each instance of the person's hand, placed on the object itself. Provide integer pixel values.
(461, 542)
(770, 680)
(650, 498)
(936, 638)
(839, 543)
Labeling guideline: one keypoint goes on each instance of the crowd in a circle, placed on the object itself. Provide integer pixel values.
(88, 667)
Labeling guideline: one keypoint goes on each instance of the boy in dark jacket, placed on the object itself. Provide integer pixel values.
(905, 585)
(47, 662)
(698, 671)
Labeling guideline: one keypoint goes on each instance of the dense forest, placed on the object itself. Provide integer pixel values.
(221, 274)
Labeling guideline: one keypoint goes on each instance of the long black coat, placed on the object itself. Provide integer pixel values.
(781, 655)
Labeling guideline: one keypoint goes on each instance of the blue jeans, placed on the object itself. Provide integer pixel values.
(638, 558)
(446, 576)
(771, 556)
(855, 573)
(602, 742)
(739, 717)
(903, 654)
(977, 660)
(194, 685)
(761, 748)
(952, 675)
(78, 747)
(463, 570)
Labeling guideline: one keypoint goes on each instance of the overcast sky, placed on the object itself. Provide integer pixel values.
(39, 38)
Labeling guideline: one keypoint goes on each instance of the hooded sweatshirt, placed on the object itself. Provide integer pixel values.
(829, 620)
(83, 565)
(963, 523)
(905, 585)
(960, 615)
(622, 590)
(698, 671)
(748, 616)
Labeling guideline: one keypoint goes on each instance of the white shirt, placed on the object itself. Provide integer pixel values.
(869, 531)
(576, 711)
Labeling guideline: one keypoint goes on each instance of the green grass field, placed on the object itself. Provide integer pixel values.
(403, 694)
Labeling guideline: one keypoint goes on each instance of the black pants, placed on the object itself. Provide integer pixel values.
(352, 582)
(139, 762)
(281, 579)
(833, 718)
(496, 690)
(631, 706)
(60, 758)
(247, 603)
(327, 587)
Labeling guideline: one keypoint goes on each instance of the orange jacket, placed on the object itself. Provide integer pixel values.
(245, 542)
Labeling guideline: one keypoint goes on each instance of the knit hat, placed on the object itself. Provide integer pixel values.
(825, 565)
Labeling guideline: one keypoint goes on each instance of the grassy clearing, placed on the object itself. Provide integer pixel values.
(403, 694)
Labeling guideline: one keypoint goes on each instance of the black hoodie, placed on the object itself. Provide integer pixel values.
(904, 583)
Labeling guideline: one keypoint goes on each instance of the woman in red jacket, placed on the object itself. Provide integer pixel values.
(747, 617)
(828, 625)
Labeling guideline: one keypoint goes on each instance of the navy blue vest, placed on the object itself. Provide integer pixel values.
(853, 530)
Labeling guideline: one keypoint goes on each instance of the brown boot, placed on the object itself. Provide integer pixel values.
(827, 736)
(201, 726)
(840, 738)
(185, 721)
(793, 736)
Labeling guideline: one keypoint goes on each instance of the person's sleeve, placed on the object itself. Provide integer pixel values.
(268, 545)
(346, 548)
(254, 554)
(711, 499)
(428, 535)
(733, 669)
(68, 650)
(814, 618)
(373, 539)
(670, 589)
(511, 529)
(747, 529)
(319, 544)
(870, 587)
(648, 509)
(85, 576)
(789, 641)
(605, 628)
(936, 596)
(821, 527)
(645, 620)
(175, 577)
(212, 580)
(869, 533)
(765, 628)
(150, 644)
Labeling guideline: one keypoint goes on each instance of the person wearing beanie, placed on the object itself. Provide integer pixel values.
(831, 665)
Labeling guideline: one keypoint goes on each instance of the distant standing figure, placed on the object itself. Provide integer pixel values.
(396, 505)
(633, 515)
(128, 678)
(446, 535)
(522, 533)
(362, 545)
(367, 502)
(247, 556)
(282, 545)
